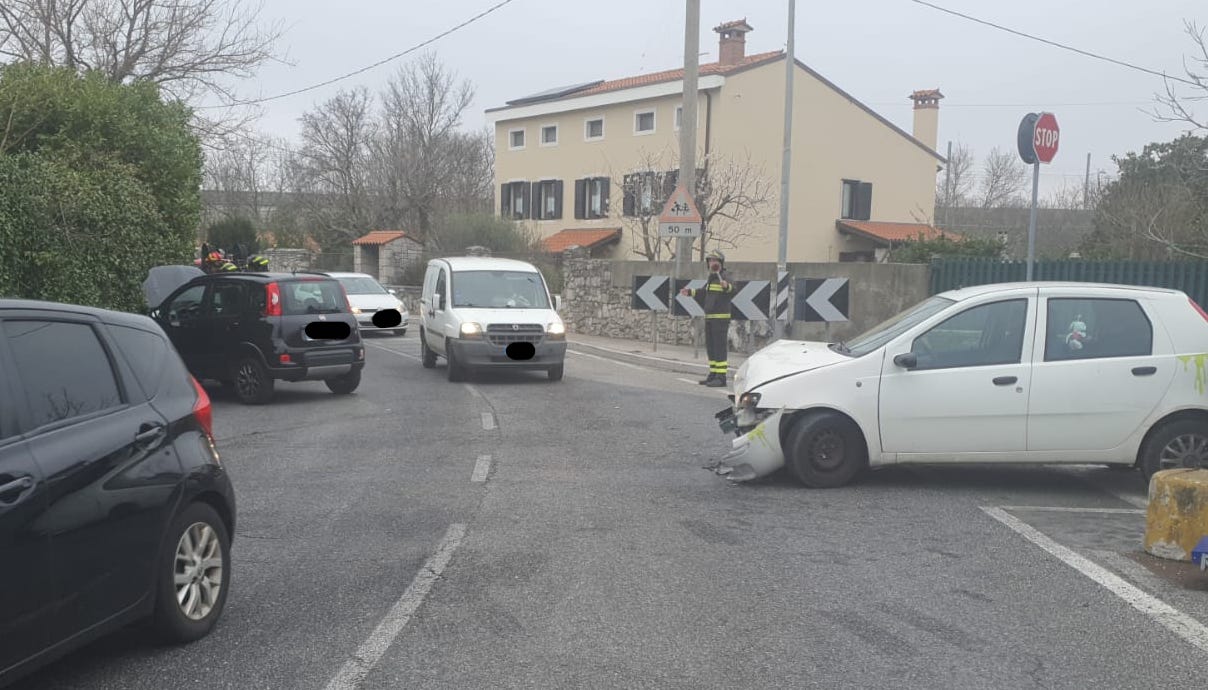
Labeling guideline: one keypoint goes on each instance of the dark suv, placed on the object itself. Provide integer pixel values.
(113, 504)
(248, 330)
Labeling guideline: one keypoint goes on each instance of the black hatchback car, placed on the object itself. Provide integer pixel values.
(114, 506)
(248, 330)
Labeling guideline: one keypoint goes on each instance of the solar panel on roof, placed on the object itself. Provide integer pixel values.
(550, 94)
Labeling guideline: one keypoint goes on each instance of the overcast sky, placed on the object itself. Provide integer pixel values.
(877, 50)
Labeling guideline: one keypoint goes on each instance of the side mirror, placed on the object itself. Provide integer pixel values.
(392, 291)
(906, 360)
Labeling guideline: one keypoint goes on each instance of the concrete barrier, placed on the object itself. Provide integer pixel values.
(1178, 513)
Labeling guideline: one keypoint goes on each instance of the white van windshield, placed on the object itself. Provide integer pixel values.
(499, 290)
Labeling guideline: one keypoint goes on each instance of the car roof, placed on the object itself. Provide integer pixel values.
(961, 294)
(118, 318)
(485, 263)
(348, 274)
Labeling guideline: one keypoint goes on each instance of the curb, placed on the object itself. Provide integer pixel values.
(662, 363)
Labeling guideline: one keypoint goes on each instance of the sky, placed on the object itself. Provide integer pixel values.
(876, 50)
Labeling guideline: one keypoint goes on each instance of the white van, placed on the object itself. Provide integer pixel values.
(480, 312)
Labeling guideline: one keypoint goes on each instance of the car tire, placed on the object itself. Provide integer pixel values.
(455, 371)
(253, 385)
(825, 450)
(1183, 441)
(555, 373)
(427, 356)
(343, 385)
(206, 561)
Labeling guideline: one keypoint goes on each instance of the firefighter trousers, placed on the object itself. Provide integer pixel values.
(717, 333)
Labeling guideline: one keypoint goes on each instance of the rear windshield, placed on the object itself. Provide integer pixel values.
(312, 297)
(499, 289)
(362, 286)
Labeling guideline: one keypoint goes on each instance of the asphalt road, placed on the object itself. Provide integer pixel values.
(514, 532)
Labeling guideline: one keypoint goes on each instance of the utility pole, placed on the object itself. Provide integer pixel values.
(948, 190)
(687, 173)
(782, 255)
(1086, 186)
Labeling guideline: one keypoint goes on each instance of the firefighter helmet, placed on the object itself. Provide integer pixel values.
(715, 254)
(257, 263)
(228, 266)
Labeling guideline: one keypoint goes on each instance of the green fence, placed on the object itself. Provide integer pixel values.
(1189, 276)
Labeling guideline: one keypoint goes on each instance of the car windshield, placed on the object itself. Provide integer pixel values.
(499, 290)
(886, 331)
(362, 285)
(312, 297)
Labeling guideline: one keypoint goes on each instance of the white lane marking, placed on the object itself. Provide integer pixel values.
(685, 380)
(400, 354)
(1130, 568)
(610, 361)
(488, 421)
(472, 390)
(354, 671)
(1062, 509)
(481, 469)
(1191, 630)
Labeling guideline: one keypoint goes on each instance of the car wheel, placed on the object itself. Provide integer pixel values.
(1182, 443)
(427, 356)
(555, 373)
(455, 371)
(343, 385)
(253, 385)
(194, 575)
(825, 450)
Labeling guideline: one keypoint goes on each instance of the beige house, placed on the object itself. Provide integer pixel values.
(594, 158)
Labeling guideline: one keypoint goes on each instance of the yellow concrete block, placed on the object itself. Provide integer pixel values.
(1178, 513)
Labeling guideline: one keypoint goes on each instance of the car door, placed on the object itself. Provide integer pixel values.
(1103, 364)
(225, 315)
(182, 319)
(438, 311)
(968, 393)
(25, 589)
(102, 448)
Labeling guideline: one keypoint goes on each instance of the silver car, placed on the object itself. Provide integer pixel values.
(375, 307)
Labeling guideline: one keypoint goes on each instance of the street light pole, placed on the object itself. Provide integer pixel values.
(785, 163)
(687, 172)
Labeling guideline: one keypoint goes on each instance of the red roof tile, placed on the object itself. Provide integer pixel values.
(587, 238)
(677, 74)
(894, 232)
(379, 237)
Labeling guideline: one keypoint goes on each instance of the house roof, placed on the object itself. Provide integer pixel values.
(892, 233)
(588, 238)
(380, 237)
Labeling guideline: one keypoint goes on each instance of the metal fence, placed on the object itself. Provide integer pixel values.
(1189, 276)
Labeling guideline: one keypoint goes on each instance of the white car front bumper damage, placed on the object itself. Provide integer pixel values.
(754, 454)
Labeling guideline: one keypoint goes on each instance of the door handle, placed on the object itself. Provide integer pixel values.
(1005, 380)
(21, 485)
(1144, 371)
(149, 434)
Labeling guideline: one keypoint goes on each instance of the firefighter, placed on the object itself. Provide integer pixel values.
(257, 263)
(718, 292)
(227, 267)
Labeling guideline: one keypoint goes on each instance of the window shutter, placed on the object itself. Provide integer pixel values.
(604, 184)
(863, 203)
(527, 195)
(630, 202)
(504, 201)
(581, 198)
(557, 199)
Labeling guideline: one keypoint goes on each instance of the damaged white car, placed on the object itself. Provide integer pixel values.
(1014, 373)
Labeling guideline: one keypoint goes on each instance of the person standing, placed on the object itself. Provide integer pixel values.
(718, 293)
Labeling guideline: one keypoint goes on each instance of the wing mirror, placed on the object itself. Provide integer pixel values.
(906, 360)
(392, 291)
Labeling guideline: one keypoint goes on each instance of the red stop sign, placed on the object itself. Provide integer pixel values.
(1045, 138)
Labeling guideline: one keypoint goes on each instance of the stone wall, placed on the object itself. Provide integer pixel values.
(598, 298)
(395, 257)
(287, 260)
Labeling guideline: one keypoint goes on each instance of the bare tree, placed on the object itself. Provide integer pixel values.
(733, 195)
(245, 175)
(644, 189)
(954, 186)
(1004, 178)
(1174, 106)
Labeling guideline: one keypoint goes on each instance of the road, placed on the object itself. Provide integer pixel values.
(513, 532)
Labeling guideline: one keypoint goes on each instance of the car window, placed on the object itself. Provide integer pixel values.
(500, 290)
(440, 290)
(228, 299)
(360, 285)
(187, 305)
(144, 352)
(1096, 329)
(896, 325)
(984, 335)
(312, 297)
(63, 369)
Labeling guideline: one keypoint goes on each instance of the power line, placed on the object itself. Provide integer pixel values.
(1021, 105)
(379, 63)
(1055, 44)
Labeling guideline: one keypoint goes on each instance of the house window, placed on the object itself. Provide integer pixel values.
(514, 200)
(856, 201)
(643, 193)
(516, 139)
(549, 135)
(593, 129)
(591, 197)
(679, 116)
(643, 122)
(549, 199)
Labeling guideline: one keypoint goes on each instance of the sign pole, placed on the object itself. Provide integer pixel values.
(786, 162)
(1032, 219)
(687, 173)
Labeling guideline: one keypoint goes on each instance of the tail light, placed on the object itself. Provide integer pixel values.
(1198, 308)
(202, 410)
(272, 300)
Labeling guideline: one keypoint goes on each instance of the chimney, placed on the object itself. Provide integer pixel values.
(733, 42)
(927, 116)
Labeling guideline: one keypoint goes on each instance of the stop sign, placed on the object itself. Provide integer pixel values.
(1044, 139)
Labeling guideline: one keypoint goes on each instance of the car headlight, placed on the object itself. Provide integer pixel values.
(471, 330)
(749, 400)
(556, 330)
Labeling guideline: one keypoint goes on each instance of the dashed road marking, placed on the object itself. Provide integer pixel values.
(481, 469)
(488, 421)
(610, 361)
(400, 354)
(354, 671)
(473, 391)
(685, 380)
